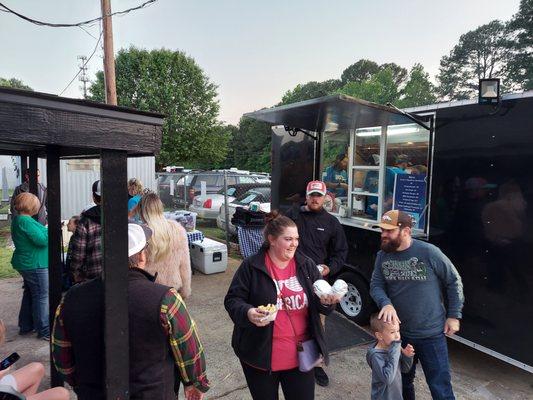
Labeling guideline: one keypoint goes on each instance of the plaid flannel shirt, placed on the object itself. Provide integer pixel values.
(185, 345)
(85, 250)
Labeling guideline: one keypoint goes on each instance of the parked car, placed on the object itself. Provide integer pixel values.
(181, 184)
(208, 206)
(214, 181)
(260, 194)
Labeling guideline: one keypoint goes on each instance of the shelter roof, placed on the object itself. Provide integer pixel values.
(31, 121)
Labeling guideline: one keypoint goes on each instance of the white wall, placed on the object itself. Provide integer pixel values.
(76, 186)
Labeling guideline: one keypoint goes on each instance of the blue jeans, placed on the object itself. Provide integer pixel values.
(433, 355)
(34, 310)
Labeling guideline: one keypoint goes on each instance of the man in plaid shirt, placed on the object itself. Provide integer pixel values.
(85, 247)
(164, 345)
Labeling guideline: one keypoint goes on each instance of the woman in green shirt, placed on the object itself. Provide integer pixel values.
(30, 259)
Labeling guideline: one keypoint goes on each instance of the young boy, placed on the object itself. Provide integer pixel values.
(387, 358)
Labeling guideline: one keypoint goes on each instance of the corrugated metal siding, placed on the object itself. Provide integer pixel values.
(76, 191)
(76, 185)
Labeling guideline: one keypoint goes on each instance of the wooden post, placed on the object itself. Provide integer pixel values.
(109, 56)
(55, 245)
(113, 174)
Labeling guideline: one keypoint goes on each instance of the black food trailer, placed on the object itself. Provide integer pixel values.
(464, 171)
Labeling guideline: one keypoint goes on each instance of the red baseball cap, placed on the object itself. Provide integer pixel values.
(316, 187)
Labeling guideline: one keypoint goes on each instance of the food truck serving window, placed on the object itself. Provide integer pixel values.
(369, 171)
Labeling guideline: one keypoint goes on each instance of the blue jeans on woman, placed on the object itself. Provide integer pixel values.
(433, 355)
(34, 311)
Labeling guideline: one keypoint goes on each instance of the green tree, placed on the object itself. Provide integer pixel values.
(521, 62)
(310, 90)
(381, 88)
(14, 83)
(173, 84)
(399, 74)
(250, 145)
(360, 71)
(418, 89)
(481, 53)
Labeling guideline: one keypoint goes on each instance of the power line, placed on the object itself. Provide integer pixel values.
(4, 8)
(82, 67)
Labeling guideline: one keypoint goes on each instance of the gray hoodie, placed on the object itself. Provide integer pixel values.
(386, 367)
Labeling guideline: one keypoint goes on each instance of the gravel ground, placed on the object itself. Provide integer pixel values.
(475, 375)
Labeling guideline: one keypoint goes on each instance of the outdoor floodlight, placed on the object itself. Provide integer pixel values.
(489, 91)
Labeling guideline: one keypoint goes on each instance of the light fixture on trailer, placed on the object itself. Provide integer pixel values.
(489, 91)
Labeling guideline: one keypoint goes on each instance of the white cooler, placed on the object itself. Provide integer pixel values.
(209, 256)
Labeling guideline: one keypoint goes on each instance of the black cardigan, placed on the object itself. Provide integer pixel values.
(251, 287)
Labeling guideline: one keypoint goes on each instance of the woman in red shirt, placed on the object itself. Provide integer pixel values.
(268, 351)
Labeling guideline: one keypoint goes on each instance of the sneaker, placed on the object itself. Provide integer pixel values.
(45, 338)
(321, 377)
(25, 333)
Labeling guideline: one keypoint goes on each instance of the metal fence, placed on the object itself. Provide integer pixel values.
(213, 197)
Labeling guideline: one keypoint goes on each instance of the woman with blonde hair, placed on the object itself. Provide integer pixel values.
(168, 249)
(30, 260)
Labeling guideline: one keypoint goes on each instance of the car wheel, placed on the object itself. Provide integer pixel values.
(356, 304)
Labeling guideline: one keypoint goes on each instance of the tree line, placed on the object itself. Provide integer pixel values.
(172, 83)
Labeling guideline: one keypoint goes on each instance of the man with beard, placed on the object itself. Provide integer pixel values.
(322, 239)
(410, 280)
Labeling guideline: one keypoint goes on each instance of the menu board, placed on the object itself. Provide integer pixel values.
(410, 196)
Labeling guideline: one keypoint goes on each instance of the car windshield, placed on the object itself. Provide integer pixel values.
(210, 180)
(231, 191)
(258, 194)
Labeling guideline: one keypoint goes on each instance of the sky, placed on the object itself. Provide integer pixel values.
(254, 51)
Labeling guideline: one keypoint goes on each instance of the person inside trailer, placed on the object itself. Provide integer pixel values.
(401, 162)
(336, 176)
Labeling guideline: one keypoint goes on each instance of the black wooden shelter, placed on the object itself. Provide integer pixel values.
(34, 125)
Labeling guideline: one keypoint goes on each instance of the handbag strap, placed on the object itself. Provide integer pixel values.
(279, 296)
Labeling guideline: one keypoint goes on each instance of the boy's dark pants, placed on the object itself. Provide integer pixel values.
(433, 355)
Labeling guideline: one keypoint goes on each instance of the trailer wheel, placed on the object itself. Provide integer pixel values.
(356, 304)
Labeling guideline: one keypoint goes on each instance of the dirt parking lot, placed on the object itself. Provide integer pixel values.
(475, 375)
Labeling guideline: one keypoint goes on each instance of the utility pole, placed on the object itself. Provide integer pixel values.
(83, 74)
(109, 57)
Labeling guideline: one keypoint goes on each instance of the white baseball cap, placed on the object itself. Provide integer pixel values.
(138, 235)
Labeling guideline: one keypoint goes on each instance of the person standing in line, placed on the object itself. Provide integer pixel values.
(42, 195)
(135, 190)
(85, 247)
(168, 248)
(164, 345)
(410, 281)
(322, 239)
(30, 260)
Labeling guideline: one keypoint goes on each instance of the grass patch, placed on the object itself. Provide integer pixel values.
(6, 270)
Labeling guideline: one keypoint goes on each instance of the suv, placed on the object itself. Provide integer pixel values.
(180, 181)
(214, 181)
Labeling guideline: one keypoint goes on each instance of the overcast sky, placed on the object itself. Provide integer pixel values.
(253, 50)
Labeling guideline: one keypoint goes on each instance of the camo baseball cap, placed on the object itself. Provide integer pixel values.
(395, 219)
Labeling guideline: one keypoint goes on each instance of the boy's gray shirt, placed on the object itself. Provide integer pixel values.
(417, 281)
(387, 366)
